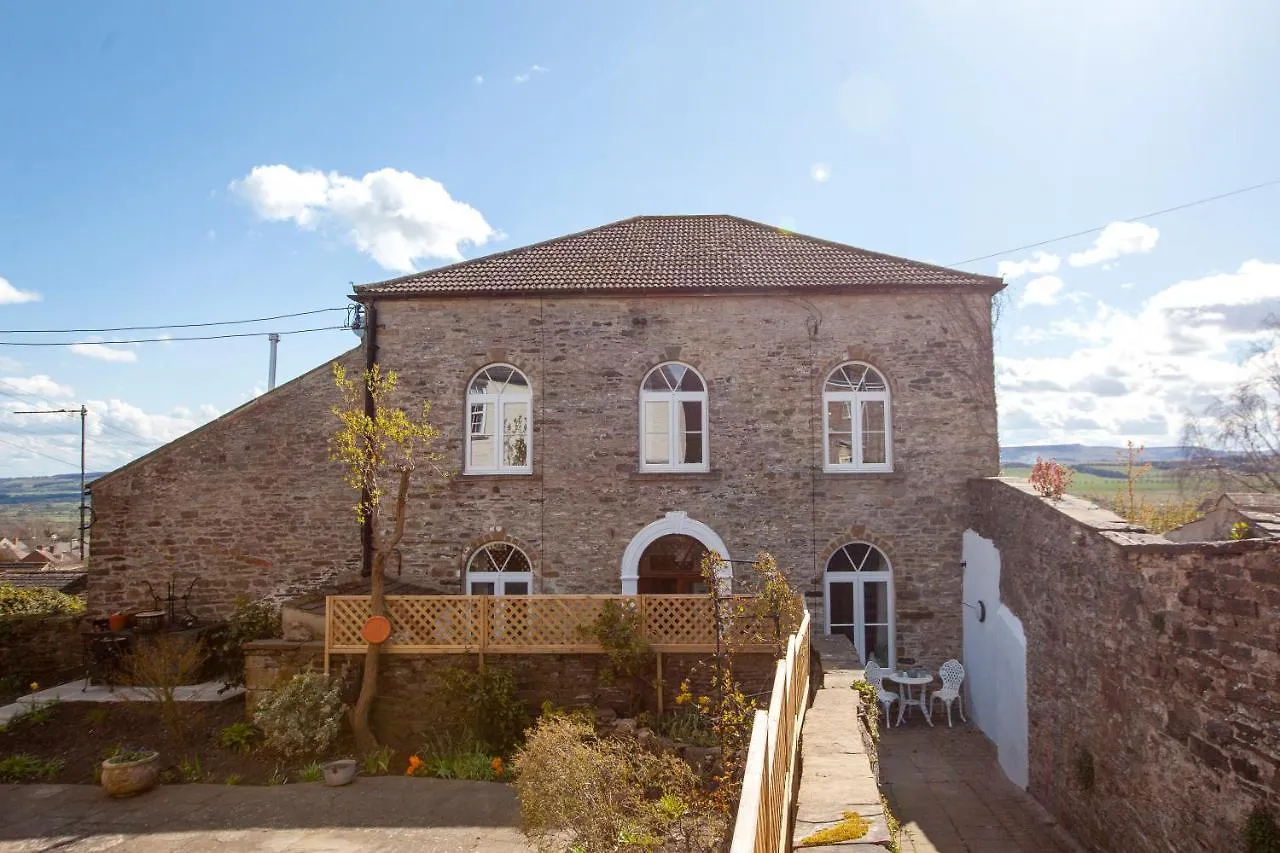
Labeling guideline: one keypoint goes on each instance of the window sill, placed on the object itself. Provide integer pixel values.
(838, 474)
(675, 474)
(498, 475)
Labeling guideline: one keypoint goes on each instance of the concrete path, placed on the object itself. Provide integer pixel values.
(75, 691)
(950, 795)
(385, 814)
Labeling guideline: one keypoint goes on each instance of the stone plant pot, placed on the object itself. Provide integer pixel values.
(126, 778)
(339, 772)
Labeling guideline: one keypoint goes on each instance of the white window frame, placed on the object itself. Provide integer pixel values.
(499, 402)
(855, 399)
(860, 579)
(674, 398)
(500, 578)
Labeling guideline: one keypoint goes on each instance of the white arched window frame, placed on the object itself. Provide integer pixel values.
(857, 419)
(499, 426)
(673, 419)
(499, 568)
(858, 600)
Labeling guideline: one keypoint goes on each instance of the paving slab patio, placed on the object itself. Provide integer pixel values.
(947, 789)
(386, 814)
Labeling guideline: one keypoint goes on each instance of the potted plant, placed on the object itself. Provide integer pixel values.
(130, 771)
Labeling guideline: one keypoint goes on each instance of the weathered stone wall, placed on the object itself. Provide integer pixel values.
(43, 649)
(407, 708)
(1153, 672)
(248, 505)
(766, 490)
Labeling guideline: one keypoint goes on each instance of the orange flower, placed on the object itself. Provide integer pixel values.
(414, 764)
(496, 764)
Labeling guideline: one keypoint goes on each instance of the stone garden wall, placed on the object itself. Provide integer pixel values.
(1153, 672)
(406, 708)
(44, 649)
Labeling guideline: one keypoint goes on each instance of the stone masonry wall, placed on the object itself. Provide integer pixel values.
(766, 490)
(406, 709)
(44, 649)
(1153, 672)
(249, 505)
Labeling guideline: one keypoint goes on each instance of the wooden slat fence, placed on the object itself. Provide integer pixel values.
(763, 823)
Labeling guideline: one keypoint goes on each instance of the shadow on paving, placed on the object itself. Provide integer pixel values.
(78, 811)
(946, 788)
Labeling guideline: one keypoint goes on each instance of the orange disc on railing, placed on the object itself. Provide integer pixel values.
(376, 630)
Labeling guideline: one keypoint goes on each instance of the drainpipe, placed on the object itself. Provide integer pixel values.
(370, 359)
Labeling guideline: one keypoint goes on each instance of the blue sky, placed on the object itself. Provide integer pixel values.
(939, 130)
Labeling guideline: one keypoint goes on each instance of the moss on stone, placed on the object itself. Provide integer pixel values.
(853, 827)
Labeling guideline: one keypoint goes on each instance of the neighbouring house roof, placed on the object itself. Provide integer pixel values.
(676, 254)
(63, 580)
(1261, 509)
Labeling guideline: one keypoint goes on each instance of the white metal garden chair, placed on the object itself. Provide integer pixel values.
(875, 677)
(952, 675)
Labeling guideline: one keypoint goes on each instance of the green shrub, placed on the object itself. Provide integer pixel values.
(252, 620)
(22, 768)
(240, 736)
(303, 716)
(484, 706)
(619, 629)
(376, 762)
(37, 601)
(686, 725)
(312, 772)
(1261, 833)
(579, 791)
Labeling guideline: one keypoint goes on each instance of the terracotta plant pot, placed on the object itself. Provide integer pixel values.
(339, 772)
(126, 778)
(118, 621)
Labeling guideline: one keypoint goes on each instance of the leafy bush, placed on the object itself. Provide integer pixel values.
(37, 601)
(578, 791)
(22, 767)
(1261, 832)
(1050, 479)
(619, 630)
(312, 772)
(686, 725)
(485, 706)
(302, 717)
(240, 736)
(376, 762)
(252, 620)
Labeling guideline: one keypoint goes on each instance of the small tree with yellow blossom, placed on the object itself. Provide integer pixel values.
(381, 447)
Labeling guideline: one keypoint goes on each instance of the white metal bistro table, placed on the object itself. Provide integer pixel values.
(914, 677)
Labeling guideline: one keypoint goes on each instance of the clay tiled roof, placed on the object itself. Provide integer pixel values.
(671, 254)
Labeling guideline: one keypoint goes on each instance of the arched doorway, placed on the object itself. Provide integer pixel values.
(672, 565)
(681, 527)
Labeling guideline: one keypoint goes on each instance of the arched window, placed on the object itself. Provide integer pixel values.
(499, 422)
(673, 419)
(858, 592)
(856, 419)
(499, 568)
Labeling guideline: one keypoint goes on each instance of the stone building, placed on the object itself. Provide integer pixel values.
(611, 404)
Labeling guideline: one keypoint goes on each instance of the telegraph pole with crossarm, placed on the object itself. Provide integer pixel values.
(83, 411)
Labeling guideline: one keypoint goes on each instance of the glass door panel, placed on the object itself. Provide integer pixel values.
(840, 609)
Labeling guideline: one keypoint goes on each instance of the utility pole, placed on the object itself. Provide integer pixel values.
(274, 339)
(83, 411)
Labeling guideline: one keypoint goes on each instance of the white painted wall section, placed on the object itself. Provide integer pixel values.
(995, 659)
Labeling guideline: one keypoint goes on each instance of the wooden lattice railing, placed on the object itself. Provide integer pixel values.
(536, 624)
(763, 823)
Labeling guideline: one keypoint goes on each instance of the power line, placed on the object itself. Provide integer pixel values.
(28, 398)
(168, 325)
(164, 340)
(1138, 218)
(39, 453)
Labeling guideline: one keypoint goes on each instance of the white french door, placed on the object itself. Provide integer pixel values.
(860, 606)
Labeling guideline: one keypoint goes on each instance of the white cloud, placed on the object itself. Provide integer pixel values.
(1040, 263)
(1118, 238)
(1141, 373)
(820, 172)
(478, 79)
(10, 295)
(1041, 291)
(36, 386)
(523, 77)
(103, 352)
(397, 218)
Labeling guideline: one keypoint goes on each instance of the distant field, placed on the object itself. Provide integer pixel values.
(1157, 485)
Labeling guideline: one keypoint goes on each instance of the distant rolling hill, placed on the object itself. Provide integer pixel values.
(1077, 454)
(34, 491)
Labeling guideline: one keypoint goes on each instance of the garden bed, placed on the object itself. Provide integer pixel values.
(70, 740)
